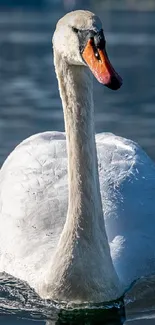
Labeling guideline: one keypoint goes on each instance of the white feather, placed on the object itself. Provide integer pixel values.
(69, 258)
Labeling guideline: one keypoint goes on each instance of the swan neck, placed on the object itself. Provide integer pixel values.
(83, 242)
(76, 90)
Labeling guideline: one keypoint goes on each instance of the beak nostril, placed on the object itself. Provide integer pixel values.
(98, 62)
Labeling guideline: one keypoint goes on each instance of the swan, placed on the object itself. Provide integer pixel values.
(77, 211)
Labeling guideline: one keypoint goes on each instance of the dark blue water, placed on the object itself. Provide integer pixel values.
(29, 99)
(30, 103)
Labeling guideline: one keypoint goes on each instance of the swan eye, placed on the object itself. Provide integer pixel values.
(75, 30)
(97, 40)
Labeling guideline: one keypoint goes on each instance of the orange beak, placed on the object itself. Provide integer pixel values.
(101, 66)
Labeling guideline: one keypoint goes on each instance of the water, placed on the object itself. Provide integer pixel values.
(30, 103)
(29, 99)
(20, 304)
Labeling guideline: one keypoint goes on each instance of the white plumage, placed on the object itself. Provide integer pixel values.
(34, 196)
(34, 244)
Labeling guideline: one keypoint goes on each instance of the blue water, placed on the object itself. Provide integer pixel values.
(30, 103)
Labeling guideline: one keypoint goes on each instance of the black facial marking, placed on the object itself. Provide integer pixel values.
(99, 40)
(75, 29)
(96, 37)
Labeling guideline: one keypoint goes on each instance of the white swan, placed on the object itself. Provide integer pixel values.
(68, 258)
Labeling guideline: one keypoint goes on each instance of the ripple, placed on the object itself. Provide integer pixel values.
(17, 298)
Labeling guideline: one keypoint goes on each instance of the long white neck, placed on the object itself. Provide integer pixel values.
(82, 268)
(84, 206)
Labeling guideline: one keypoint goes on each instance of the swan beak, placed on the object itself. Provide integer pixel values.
(99, 64)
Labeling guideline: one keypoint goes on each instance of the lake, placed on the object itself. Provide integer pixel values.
(30, 103)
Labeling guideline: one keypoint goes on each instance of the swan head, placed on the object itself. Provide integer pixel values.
(79, 40)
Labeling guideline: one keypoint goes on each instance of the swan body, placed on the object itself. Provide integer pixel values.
(74, 224)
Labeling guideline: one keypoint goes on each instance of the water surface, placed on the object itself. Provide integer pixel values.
(29, 99)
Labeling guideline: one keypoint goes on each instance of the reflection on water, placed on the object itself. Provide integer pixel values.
(30, 103)
(19, 301)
